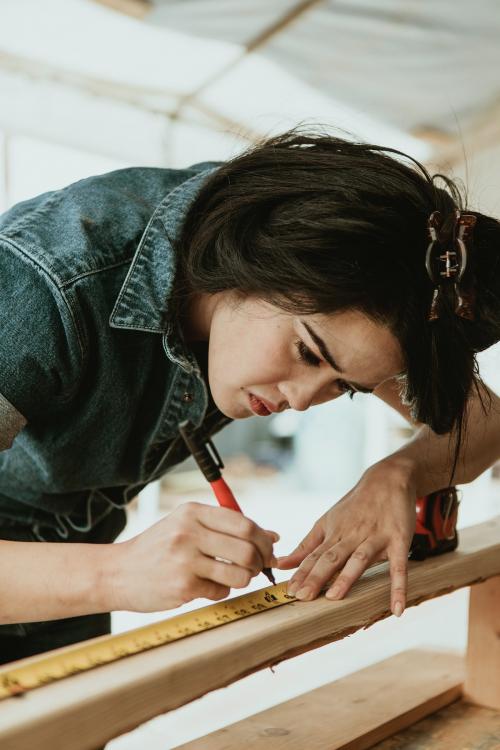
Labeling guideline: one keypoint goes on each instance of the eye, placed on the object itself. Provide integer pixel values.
(346, 388)
(306, 355)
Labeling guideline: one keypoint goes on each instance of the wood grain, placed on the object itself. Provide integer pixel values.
(351, 713)
(482, 684)
(91, 708)
(460, 726)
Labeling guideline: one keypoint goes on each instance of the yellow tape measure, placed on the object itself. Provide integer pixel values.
(56, 665)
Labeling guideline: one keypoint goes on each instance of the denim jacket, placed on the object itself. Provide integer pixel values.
(94, 372)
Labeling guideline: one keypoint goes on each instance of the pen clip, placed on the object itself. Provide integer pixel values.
(203, 451)
(215, 453)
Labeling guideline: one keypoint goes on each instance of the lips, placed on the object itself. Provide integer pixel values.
(258, 407)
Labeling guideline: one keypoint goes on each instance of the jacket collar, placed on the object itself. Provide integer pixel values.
(143, 301)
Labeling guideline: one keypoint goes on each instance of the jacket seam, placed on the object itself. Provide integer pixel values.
(95, 271)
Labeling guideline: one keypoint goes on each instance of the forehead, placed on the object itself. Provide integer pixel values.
(364, 350)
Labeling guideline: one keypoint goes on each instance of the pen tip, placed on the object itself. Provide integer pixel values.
(268, 572)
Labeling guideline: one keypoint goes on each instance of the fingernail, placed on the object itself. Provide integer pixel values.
(398, 609)
(292, 588)
(333, 592)
(304, 593)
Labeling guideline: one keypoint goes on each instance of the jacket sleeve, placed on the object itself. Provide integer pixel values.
(40, 353)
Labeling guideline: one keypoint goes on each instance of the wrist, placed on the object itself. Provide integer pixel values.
(110, 585)
(397, 469)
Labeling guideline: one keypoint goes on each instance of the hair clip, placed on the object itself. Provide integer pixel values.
(448, 259)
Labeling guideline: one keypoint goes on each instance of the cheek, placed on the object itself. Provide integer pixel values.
(221, 362)
(240, 367)
(241, 356)
(227, 356)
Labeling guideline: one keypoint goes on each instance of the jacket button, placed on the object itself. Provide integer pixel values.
(187, 397)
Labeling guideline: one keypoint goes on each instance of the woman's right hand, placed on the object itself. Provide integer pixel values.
(175, 560)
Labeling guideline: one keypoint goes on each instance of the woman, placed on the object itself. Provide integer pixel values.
(284, 278)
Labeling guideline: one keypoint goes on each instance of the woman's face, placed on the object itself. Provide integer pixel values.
(263, 360)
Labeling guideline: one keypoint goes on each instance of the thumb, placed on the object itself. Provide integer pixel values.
(307, 545)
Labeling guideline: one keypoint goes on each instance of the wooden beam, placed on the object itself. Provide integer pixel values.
(460, 726)
(93, 707)
(392, 695)
(482, 684)
(480, 134)
(282, 22)
(125, 121)
(134, 8)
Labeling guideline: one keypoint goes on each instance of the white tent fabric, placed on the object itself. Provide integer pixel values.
(410, 64)
(196, 79)
(179, 81)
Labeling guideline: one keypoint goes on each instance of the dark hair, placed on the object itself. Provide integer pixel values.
(316, 223)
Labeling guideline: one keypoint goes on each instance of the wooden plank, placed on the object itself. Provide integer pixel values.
(351, 713)
(480, 135)
(460, 726)
(134, 8)
(91, 708)
(482, 684)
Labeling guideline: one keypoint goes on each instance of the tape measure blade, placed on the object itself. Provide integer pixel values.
(29, 674)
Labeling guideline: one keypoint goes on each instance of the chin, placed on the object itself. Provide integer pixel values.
(233, 411)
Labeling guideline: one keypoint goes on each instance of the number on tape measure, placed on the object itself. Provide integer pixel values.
(18, 677)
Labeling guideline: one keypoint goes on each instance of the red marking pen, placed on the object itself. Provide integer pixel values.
(205, 454)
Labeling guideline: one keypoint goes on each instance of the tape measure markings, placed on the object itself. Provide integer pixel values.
(82, 657)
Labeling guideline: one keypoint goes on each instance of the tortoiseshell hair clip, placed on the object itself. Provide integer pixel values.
(448, 261)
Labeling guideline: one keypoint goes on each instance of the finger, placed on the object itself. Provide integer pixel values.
(227, 574)
(239, 551)
(355, 566)
(210, 590)
(274, 534)
(297, 580)
(236, 524)
(324, 566)
(306, 546)
(398, 567)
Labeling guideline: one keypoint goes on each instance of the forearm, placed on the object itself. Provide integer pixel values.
(431, 456)
(45, 581)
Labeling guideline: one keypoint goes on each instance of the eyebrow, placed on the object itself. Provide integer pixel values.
(328, 357)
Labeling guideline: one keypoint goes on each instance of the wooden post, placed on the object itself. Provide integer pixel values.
(482, 682)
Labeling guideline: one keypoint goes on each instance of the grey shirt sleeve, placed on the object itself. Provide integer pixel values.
(11, 423)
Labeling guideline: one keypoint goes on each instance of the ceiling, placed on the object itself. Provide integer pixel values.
(162, 79)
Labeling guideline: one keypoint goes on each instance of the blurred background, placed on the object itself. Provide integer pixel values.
(89, 86)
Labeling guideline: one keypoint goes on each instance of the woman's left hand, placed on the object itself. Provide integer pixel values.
(375, 521)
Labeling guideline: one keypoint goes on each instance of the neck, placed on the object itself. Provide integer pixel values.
(197, 316)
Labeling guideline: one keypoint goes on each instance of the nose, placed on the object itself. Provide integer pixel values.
(298, 397)
(305, 392)
(300, 403)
